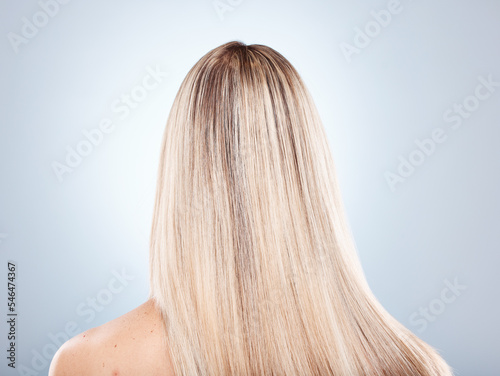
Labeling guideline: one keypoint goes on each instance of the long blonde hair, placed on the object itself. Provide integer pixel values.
(252, 263)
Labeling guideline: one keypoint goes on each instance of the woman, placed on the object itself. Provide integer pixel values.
(253, 269)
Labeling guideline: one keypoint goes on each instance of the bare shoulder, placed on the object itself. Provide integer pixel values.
(131, 344)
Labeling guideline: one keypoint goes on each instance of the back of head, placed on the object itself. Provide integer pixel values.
(252, 261)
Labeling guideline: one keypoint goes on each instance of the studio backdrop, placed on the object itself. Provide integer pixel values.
(409, 95)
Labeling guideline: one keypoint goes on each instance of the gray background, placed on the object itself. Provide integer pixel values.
(439, 226)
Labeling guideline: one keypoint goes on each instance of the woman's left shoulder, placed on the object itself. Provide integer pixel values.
(130, 344)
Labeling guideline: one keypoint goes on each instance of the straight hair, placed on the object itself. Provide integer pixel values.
(252, 263)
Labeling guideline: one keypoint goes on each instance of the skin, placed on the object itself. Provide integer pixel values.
(131, 344)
